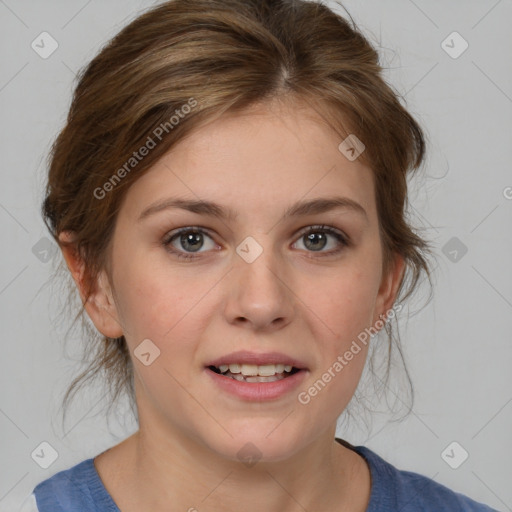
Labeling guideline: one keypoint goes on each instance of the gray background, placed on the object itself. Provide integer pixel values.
(458, 347)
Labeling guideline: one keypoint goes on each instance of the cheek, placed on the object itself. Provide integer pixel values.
(340, 306)
(166, 309)
(149, 299)
(344, 301)
(341, 309)
(171, 308)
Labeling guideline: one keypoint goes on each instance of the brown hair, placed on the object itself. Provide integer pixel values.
(220, 56)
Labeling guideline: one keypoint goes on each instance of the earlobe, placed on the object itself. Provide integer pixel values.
(389, 286)
(98, 301)
(102, 309)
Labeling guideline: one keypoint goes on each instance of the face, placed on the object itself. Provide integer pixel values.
(284, 285)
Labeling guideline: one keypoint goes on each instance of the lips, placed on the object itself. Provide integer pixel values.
(254, 358)
(257, 388)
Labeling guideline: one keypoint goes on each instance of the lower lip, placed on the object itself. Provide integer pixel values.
(258, 391)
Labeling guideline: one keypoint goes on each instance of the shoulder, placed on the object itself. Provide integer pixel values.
(394, 489)
(78, 488)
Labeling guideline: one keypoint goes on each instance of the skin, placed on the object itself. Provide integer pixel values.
(290, 299)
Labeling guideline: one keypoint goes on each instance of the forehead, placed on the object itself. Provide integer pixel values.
(254, 160)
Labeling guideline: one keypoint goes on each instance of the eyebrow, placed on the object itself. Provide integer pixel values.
(301, 208)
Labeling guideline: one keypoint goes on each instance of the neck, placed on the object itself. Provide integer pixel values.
(179, 470)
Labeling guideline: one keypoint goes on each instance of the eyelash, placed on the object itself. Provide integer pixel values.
(170, 237)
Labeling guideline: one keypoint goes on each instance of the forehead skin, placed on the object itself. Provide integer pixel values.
(258, 162)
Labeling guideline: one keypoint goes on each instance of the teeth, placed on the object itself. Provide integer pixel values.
(234, 368)
(267, 370)
(249, 369)
(253, 370)
(271, 378)
(256, 378)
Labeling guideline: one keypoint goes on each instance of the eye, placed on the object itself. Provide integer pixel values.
(316, 238)
(186, 241)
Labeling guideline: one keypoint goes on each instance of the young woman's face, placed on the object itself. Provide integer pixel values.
(268, 281)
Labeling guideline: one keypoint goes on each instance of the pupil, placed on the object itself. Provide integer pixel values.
(312, 237)
(194, 239)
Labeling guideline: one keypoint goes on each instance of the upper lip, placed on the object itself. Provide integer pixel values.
(261, 358)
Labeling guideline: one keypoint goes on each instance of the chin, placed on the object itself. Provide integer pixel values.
(262, 440)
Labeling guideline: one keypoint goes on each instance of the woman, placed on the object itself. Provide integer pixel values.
(229, 197)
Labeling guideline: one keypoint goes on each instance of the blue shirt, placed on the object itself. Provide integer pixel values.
(80, 489)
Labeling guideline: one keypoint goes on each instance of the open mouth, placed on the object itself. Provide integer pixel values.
(255, 373)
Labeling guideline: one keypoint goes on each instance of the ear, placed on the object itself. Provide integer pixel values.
(100, 304)
(389, 286)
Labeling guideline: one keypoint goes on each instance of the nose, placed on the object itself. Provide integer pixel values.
(259, 296)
